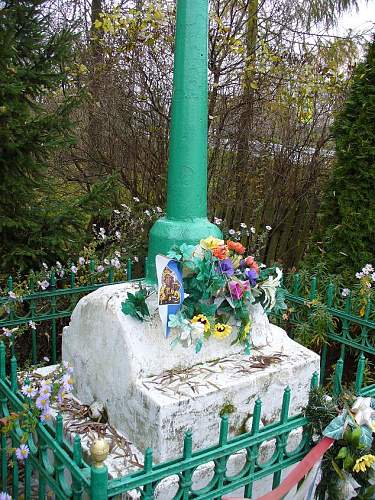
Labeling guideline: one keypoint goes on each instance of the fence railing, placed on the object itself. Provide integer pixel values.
(347, 332)
(57, 467)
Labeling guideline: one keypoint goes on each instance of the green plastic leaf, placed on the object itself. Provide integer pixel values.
(338, 471)
(356, 436)
(335, 429)
(366, 436)
(342, 453)
(198, 345)
(349, 462)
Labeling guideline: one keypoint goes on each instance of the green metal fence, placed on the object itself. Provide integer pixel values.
(58, 468)
(50, 309)
(55, 467)
(347, 333)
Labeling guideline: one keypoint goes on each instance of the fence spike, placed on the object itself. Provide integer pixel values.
(148, 460)
(110, 275)
(314, 287)
(2, 361)
(256, 416)
(296, 284)
(360, 373)
(10, 283)
(59, 429)
(285, 406)
(224, 424)
(338, 377)
(368, 310)
(330, 294)
(77, 450)
(188, 444)
(129, 269)
(13, 374)
(92, 266)
(53, 279)
(315, 380)
(72, 280)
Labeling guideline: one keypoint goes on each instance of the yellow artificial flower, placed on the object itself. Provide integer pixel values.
(201, 318)
(364, 463)
(221, 331)
(373, 426)
(211, 243)
(246, 330)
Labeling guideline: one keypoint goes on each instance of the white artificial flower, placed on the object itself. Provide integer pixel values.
(252, 229)
(197, 329)
(359, 275)
(43, 284)
(136, 259)
(348, 486)
(58, 265)
(118, 254)
(269, 288)
(116, 263)
(8, 333)
(81, 261)
(217, 221)
(243, 225)
(148, 213)
(116, 212)
(74, 269)
(373, 276)
(136, 199)
(345, 292)
(12, 295)
(100, 269)
(102, 233)
(158, 209)
(32, 325)
(268, 228)
(106, 262)
(118, 235)
(44, 265)
(363, 413)
(232, 232)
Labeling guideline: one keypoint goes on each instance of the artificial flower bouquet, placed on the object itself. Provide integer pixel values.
(220, 284)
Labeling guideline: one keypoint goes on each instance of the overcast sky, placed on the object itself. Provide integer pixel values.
(358, 21)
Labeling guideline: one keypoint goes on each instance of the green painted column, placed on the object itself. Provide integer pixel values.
(186, 218)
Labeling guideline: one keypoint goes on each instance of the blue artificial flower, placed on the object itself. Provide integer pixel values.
(251, 275)
(226, 267)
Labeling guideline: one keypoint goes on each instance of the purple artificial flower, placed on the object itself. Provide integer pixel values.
(61, 394)
(251, 275)
(226, 267)
(46, 416)
(22, 452)
(42, 402)
(28, 391)
(237, 288)
(5, 496)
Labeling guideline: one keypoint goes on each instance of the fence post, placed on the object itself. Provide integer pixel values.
(99, 471)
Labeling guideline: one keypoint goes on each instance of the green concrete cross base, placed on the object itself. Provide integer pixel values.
(166, 233)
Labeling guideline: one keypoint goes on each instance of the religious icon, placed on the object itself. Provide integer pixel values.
(170, 288)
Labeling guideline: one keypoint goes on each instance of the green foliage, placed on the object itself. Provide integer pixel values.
(135, 305)
(33, 62)
(346, 237)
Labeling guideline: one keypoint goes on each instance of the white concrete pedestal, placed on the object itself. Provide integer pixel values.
(154, 393)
